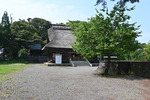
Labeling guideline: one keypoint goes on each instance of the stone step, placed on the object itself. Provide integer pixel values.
(80, 63)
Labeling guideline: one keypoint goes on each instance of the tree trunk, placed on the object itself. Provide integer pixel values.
(107, 66)
(128, 56)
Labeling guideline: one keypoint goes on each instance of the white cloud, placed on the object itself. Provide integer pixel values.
(23, 9)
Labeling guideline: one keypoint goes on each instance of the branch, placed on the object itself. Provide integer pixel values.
(122, 2)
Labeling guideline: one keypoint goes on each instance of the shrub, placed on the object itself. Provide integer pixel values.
(23, 53)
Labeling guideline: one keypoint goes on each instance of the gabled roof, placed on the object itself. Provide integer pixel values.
(35, 46)
(60, 37)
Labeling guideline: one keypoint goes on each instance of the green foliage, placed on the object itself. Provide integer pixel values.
(41, 26)
(5, 34)
(23, 34)
(23, 53)
(73, 24)
(1, 35)
(60, 24)
(18, 26)
(20, 34)
(138, 55)
(106, 35)
(122, 2)
(36, 38)
(5, 19)
(147, 52)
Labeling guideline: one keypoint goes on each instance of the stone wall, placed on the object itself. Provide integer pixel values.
(138, 68)
(36, 59)
(141, 68)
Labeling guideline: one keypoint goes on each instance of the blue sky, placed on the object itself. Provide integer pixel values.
(58, 11)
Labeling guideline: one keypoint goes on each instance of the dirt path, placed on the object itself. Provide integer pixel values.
(71, 83)
(144, 87)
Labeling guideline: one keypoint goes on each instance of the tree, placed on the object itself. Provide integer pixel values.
(23, 53)
(23, 34)
(5, 33)
(60, 24)
(106, 34)
(73, 24)
(5, 20)
(138, 54)
(104, 2)
(147, 52)
(1, 35)
(41, 25)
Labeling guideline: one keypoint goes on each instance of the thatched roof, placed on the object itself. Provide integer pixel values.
(60, 37)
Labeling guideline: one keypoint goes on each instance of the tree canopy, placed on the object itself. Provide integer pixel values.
(147, 52)
(5, 33)
(23, 34)
(5, 19)
(41, 25)
(122, 2)
(106, 34)
(19, 35)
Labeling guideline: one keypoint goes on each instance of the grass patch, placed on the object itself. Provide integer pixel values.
(8, 68)
(12, 62)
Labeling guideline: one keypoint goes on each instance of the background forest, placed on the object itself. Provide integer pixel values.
(16, 38)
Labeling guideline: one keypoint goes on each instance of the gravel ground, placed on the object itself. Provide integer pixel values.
(38, 82)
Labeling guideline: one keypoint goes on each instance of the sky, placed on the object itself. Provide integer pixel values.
(57, 11)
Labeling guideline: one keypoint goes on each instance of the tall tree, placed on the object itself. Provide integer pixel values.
(6, 33)
(5, 19)
(106, 34)
(41, 25)
(23, 34)
(1, 35)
